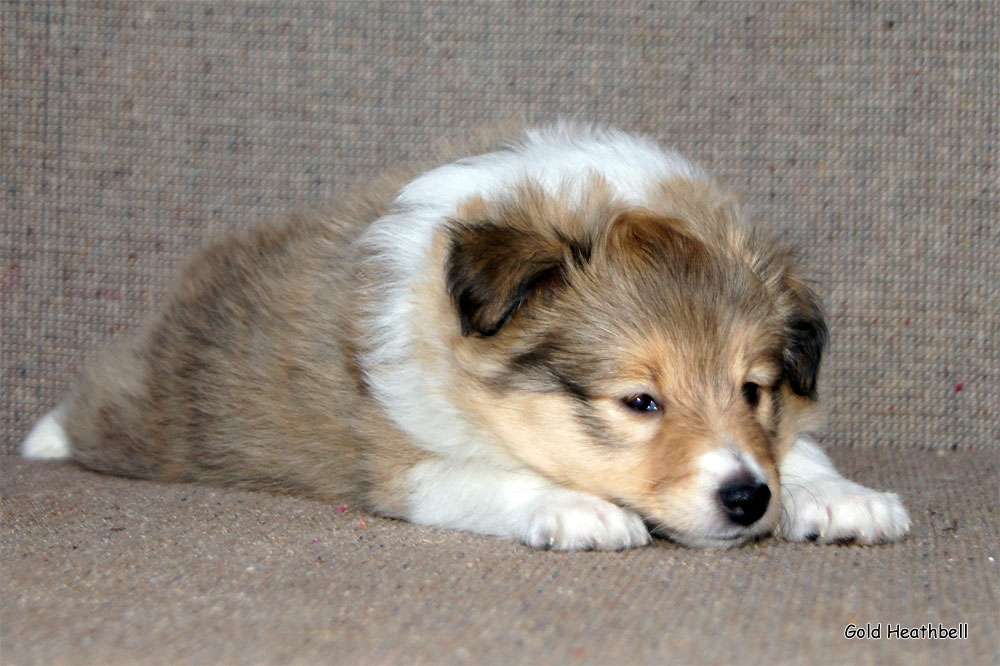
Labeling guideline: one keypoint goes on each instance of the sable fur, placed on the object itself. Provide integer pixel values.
(246, 375)
(460, 349)
(691, 300)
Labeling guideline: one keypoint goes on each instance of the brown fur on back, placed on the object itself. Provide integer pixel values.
(247, 375)
(241, 377)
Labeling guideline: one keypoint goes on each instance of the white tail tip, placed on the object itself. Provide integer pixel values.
(47, 440)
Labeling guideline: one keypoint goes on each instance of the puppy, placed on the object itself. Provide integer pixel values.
(570, 339)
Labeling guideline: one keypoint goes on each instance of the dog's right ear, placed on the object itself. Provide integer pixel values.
(493, 269)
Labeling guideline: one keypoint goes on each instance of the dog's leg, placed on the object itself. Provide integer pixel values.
(818, 504)
(518, 504)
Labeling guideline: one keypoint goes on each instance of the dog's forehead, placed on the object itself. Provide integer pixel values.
(707, 288)
(704, 320)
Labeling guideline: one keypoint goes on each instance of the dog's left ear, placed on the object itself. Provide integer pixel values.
(806, 336)
(492, 270)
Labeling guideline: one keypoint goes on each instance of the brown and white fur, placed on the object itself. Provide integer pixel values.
(569, 340)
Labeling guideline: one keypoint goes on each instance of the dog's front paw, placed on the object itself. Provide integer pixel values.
(576, 521)
(835, 510)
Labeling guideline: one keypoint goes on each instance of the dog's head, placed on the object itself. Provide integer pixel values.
(662, 358)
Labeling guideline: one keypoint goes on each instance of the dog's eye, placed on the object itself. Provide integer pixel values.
(641, 403)
(751, 393)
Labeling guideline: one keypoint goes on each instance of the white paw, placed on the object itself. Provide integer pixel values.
(833, 509)
(576, 521)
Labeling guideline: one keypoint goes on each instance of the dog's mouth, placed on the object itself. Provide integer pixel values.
(723, 541)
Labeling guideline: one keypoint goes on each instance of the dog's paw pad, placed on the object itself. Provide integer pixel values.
(835, 510)
(580, 522)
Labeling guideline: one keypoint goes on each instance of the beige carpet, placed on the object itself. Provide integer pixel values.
(867, 132)
(106, 570)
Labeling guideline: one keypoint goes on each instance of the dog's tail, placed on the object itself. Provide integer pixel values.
(48, 439)
(100, 423)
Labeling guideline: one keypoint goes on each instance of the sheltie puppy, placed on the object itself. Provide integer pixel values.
(569, 339)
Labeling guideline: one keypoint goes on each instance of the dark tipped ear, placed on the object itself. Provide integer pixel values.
(492, 270)
(806, 338)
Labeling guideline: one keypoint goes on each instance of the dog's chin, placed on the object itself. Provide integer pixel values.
(721, 542)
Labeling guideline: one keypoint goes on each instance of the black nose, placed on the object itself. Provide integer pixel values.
(744, 502)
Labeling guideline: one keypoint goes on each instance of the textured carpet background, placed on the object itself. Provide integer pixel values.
(867, 132)
(103, 570)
